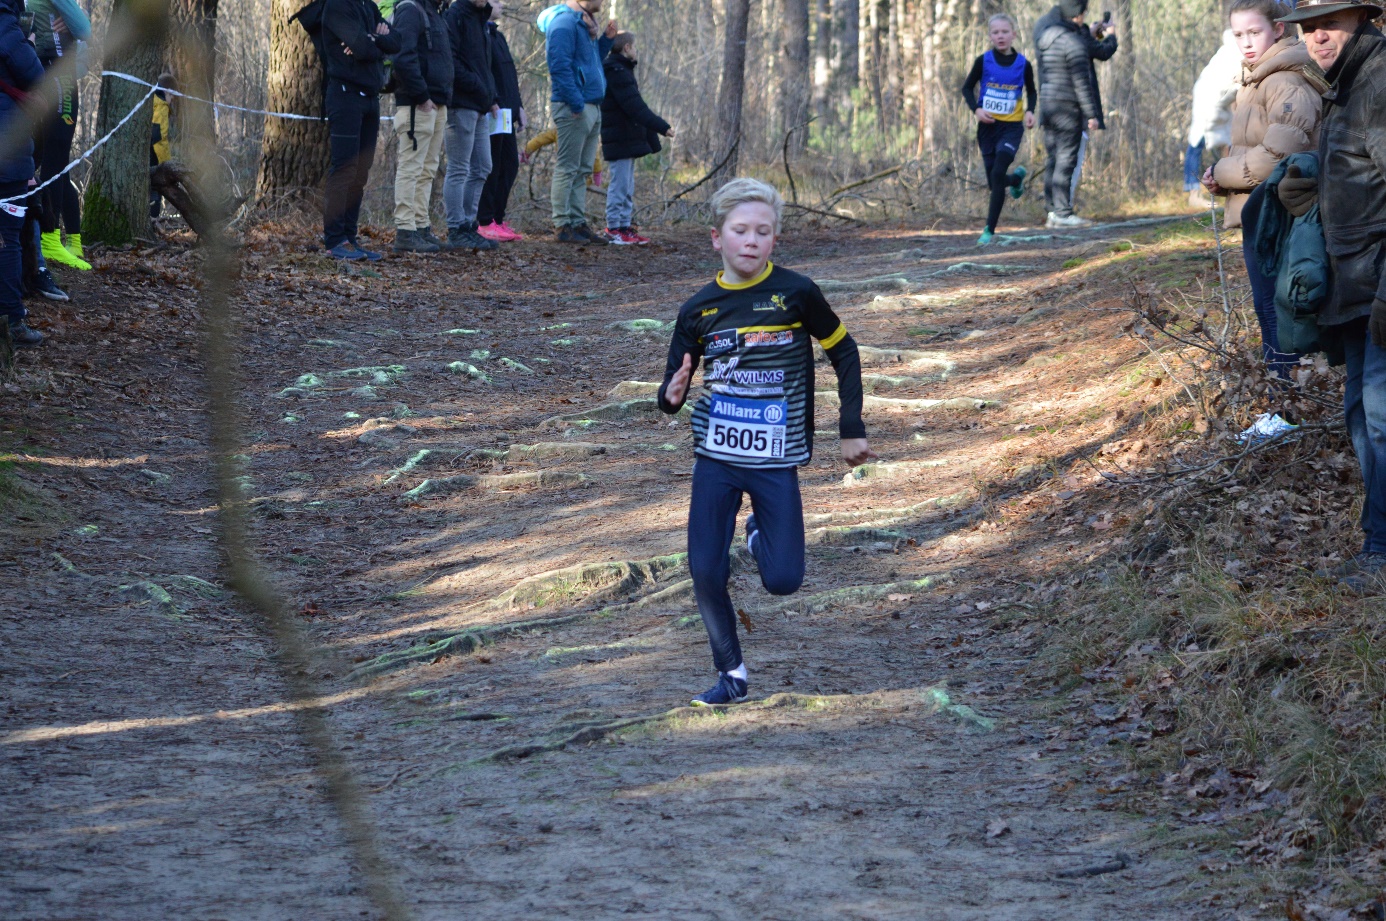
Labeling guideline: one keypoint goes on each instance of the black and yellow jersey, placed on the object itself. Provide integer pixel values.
(754, 341)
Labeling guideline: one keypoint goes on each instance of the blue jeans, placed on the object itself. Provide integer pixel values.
(1364, 410)
(1193, 167)
(717, 491)
(353, 123)
(469, 163)
(1263, 291)
(620, 194)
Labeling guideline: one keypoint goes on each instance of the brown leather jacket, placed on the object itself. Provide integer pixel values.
(1277, 114)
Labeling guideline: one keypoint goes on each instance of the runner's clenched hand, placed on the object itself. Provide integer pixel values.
(678, 384)
(854, 450)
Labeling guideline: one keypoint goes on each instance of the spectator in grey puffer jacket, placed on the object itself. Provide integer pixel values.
(1069, 101)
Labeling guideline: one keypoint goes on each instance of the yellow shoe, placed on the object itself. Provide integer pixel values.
(74, 245)
(51, 245)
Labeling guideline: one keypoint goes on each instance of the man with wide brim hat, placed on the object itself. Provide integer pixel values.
(1351, 195)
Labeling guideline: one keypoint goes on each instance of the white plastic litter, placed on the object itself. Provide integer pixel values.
(1266, 426)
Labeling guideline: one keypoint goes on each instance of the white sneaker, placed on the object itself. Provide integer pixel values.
(1052, 221)
(1071, 220)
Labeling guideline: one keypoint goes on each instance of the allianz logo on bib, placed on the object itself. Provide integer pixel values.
(767, 412)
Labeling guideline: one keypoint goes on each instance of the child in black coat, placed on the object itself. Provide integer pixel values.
(629, 131)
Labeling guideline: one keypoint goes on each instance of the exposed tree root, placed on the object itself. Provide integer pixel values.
(868, 473)
(889, 405)
(879, 283)
(555, 450)
(606, 412)
(627, 389)
(379, 375)
(657, 327)
(857, 595)
(459, 644)
(588, 582)
(959, 268)
(584, 733)
(889, 516)
(159, 600)
(855, 537)
(557, 654)
(471, 370)
(544, 479)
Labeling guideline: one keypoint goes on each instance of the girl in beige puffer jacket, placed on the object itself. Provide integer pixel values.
(1278, 106)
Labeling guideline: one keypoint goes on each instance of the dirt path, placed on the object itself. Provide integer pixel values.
(442, 461)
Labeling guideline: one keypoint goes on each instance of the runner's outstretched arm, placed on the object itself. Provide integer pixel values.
(841, 350)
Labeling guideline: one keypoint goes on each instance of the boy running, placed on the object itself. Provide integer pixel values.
(753, 425)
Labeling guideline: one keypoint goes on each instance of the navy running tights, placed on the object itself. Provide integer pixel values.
(779, 550)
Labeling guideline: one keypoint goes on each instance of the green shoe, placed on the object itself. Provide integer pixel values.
(1018, 189)
(74, 245)
(51, 245)
(985, 238)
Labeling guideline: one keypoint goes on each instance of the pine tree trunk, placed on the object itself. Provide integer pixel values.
(846, 61)
(822, 56)
(795, 88)
(116, 210)
(732, 91)
(294, 153)
(194, 58)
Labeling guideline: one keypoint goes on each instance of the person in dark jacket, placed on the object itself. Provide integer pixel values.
(629, 131)
(356, 41)
(20, 68)
(505, 149)
(423, 89)
(1070, 104)
(1351, 195)
(469, 139)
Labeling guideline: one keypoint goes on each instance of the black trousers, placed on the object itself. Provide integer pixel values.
(11, 262)
(505, 166)
(1063, 134)
(999, 142)
(353, 121)
(52, 153)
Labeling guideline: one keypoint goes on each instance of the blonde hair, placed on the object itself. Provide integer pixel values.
(1005, 16)
(744, 191)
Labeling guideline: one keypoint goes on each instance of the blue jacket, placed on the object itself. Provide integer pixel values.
(20, 68)
(575, 61)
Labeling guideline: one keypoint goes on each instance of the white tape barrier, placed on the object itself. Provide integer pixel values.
(154, 88)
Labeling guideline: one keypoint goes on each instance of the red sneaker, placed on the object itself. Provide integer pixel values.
(635, 237)
(620, 237)
(514, 234)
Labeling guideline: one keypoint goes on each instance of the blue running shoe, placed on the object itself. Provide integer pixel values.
(985, 238)
(365, 253)
(752, 532)
(345, 251)
(728, 690)
(1018, 189)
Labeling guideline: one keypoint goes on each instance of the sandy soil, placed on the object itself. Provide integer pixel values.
(907, 755)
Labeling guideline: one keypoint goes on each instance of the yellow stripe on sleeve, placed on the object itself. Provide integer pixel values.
(838, 335)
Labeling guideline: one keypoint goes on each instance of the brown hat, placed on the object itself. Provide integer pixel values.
(1313, 9)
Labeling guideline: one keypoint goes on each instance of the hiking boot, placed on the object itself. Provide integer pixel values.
(426, 235)
(1068, 220)
(1351, 566)
(570, 234)
(1369, 572)
(985, 238)
(619, 238)
(411, 241)
(466, 237)
(46, 286)
(728, 690)
(591, 235)
(1018, 181)
(346, 252)
(51, 245)
(21, 336)
(370, 255)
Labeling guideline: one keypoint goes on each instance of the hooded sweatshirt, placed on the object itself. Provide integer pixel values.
(1277, 114)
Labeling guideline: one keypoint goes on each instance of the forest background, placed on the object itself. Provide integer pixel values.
(829, 92)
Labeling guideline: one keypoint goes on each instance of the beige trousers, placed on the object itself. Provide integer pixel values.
(418, 164)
